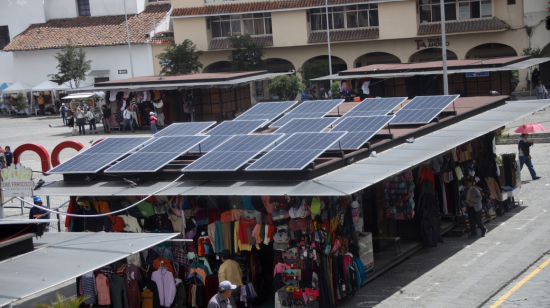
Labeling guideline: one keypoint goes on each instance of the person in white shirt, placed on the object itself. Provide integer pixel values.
(81, 121)
(91, 119)
(128, 119)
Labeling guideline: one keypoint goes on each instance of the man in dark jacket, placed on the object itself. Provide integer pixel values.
(38, 213)
(106, 119)
(525, 157)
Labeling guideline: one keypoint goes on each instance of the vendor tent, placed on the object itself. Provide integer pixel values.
(18, 87)
(46, 86)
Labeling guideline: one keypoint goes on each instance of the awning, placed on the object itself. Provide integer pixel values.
(511, 67)
(99, 73)
(46, 86)
(60, 257)
(79, 95)
(18, 87)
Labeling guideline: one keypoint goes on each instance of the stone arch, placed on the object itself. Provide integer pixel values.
(376, 58)
(491, 50)
(217, 67)
(431, 54)
(278, 65)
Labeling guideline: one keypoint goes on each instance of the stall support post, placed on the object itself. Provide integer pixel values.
(444, 49)
(22, 207)
(328, 41)
(1, 200)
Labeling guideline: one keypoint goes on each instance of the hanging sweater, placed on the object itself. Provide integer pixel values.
(134, 294)
(89, 287)
(102, 285)
(166, 286)
(119, 295)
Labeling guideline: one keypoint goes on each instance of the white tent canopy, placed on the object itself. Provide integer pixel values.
(46, 86)
(18, 87)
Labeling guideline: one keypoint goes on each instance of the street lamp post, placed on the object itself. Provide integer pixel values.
(444, 49)
(128, 34)
(328, 40)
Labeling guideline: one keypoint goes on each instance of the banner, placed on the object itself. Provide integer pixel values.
(17, 181)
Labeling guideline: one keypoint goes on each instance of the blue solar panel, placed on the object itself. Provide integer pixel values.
(226, 130)
(234, 153)
(184, 129)
(268, 111)
(100, 155)
(156, 154)
(423, 109)
(360, 130)
(374, 106)
(308, 110)
(302, 126)
(296, 152)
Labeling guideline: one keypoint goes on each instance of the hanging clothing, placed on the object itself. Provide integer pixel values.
(119, 295)
(89, 287)
(166, 286)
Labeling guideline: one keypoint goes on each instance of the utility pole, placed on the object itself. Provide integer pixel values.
(328, 40)
(128, 34)
(444, 49)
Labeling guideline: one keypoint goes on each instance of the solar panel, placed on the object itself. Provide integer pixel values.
(268, 111)
(156, 154)
(100, 155)
(374, 106)
(296, 152)
(226, 130)
(308, 110)
(423, 109)
(184, 129)
(234, 153)
(360, 130)
(302, 126)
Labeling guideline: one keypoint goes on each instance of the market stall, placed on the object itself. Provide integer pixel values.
(19, 92)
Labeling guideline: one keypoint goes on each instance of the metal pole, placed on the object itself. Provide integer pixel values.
(444, 49)
(328, 40)
(128, 34)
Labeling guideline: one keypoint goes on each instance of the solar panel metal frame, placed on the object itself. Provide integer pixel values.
(243, 156)
(341, 127)
(307, 114)
(212, 132)
(412, 107)
(280, 148)
(356, 112)
(90, 154)
(286, 129)
(166, 131)
(270, 116)
(228, 135)
(166, 157)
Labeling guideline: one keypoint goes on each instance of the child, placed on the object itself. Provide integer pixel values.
(91, 119)
(72, 123)
(153, 121)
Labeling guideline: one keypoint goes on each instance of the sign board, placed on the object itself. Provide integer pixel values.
(17, 181)
(430, 43)
(477, 74)
(120, 72)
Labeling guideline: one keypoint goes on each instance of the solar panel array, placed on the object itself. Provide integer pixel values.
(308, 110)
(360, 130)
(268, 111)
(234, 153)
(226, 130)
(302, 126)
(423, 109)
(156, 154)
(100, 155)
(296, 152)
(184, 129)
(374, 106)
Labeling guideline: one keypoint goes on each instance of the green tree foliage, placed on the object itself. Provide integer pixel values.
(335, 89)
(180, 59)
(72, 65)
(246, 55)
(21, 102)
(62, 302)
(315, 69)
(287, 85)
(534, 52)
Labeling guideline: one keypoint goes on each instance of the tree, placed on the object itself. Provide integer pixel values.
(247, 55)
(21, 102)
(72, 67)
(287, 85)
(315, 69)
(62, 302)
(534, 52)
(335, 89)
(180, 59)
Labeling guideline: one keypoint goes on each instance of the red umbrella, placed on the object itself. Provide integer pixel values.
(530, 128)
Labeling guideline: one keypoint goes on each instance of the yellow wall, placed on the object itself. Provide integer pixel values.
(397, 19)
(290, 28)
(511, 14)
(157, 49)
(191, 28)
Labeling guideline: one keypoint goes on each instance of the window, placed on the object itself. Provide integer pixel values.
(471, 9)
(511, 2)
(430, 10)
(335, 18)
(224, 26)
(4, 36)
(363, 15)
(257, 24)
(83, 7)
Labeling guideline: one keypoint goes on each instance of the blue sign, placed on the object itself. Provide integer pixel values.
(477, 74)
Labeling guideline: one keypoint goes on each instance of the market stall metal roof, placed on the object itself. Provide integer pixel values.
(60, 257)
(406, 71)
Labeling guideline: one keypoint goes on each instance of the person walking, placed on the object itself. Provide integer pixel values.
(153, 122)
(91, 118)
(72, 123)
(3, 163)
(128, 119)
(541, 91)
(472, 198)
(524, 155)
(9, 155)
(535, 77)
(80, 121)
(63, 112)
(38, 213)
(106, 119)
(230, 270)
(221, 299)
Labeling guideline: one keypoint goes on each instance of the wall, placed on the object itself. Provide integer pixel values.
(289, 28)
(404, 12)
(536, 11)
(191, 28)
(157, 49)
(33, 67)
(511, 14)
(113, 7)
(57, 9)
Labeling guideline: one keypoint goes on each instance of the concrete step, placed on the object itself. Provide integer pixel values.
(537, 138)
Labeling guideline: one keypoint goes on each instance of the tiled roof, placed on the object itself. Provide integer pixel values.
(224, 43)
(257, 6)
(162, 41)
(344, 35)
(89, 31)
(472, 25)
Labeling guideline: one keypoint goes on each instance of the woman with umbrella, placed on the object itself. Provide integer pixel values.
(524, 146)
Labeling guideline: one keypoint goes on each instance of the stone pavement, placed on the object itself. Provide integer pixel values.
(534, 292)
